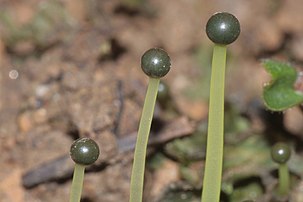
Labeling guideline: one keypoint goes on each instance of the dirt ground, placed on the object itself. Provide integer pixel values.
(71, 68)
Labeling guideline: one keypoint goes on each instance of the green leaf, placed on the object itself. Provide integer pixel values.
(280, 94)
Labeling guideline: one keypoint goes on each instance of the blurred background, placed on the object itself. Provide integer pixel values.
(71, 68)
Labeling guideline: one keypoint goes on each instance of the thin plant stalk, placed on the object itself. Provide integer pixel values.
(133, 3)
(215, 137)
(77, 183)
(280, 153)
(84, 151)
(137, 177)
(283, 179)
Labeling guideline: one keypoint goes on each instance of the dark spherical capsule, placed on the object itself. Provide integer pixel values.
(163, 91)
(223, 28)
(84, 151)
(155, 63)
(280, 153)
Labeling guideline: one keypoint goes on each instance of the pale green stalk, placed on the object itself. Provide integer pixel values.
(77, 183)
(137, 177)
(283, 179)
(215, 137)
(134, 3)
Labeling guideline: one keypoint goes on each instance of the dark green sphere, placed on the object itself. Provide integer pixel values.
(163, 91)
(223, 28)
(280, 153)
(84, 151)
(155, 63)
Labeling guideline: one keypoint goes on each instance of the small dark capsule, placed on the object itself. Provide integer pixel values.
(84, 151)
(155, 63)
(280, 153)
(163, 91)
(223, 28)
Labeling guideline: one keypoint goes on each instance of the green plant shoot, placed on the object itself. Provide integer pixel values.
(222, 28)
(83, 152)
(215, 138)
(155, 63)
(280, 94)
